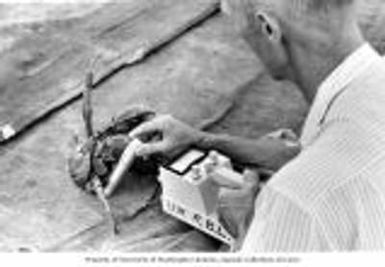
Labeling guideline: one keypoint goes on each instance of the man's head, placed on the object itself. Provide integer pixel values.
(292, 37)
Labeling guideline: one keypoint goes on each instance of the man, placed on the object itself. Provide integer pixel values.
(331, 197)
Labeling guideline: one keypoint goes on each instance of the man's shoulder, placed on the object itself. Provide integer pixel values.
(363, 98)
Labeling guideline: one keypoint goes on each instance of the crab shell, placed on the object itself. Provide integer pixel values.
(106, 148)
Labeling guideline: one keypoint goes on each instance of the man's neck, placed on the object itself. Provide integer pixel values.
(314, 65)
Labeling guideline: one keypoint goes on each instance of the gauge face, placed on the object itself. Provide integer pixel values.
(184, 163)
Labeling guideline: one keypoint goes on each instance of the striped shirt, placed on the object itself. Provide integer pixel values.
(332, 196)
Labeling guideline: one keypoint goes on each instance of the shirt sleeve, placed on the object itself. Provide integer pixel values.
(280, 225)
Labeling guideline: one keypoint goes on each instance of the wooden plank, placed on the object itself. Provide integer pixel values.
(52, 79)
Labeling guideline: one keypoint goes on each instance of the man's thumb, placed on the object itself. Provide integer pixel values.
(251, 178)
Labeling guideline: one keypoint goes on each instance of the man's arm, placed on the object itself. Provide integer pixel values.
(176, 136)
(265, 152)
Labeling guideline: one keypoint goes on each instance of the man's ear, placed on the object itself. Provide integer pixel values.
(269, 26)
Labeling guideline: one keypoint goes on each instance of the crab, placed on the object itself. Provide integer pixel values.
(96, 157)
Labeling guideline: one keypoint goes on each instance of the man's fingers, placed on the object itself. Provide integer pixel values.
(226, 182)
(251, 177)
(145, 128)
(148, 149)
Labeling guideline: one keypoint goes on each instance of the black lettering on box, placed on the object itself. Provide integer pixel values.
(181, 211)
(198, 219)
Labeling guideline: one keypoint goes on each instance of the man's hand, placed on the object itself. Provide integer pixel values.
(236, 206)
(173, 135)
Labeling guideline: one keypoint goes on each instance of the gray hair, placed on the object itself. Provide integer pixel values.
(323, 5)
(293, 6)
(313, 7)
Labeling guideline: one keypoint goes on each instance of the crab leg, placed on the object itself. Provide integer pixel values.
(87, 113)
(101, 196)
(87, 106)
